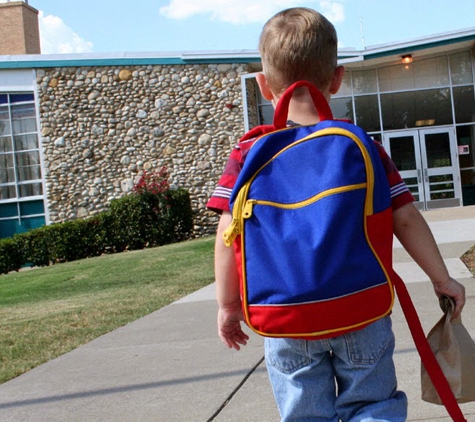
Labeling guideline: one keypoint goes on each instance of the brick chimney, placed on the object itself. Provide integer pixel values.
(19, 28)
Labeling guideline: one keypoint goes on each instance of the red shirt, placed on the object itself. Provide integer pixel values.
(219, 201)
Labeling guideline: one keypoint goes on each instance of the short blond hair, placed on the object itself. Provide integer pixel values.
(298, 44)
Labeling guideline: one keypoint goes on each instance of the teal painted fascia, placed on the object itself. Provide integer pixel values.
(414, 48)
(38, 64)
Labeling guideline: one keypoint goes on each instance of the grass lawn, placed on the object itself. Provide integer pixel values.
(45, 312)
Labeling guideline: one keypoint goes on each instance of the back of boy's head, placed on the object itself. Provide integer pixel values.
(298, 44)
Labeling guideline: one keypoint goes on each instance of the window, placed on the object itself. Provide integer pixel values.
(416, 108)
(367, 112)
(21, 184)
(464, 104)
(461, 68)
(429, 73)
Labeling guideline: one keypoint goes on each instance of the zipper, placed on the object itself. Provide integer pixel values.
(250, 203)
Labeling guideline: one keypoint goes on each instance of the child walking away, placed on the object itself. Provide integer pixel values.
(310, 211)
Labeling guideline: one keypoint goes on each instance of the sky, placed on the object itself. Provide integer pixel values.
(109, 26)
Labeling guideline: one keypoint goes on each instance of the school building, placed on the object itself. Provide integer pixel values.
(77, 130)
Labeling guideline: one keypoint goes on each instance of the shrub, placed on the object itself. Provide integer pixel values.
(11, 253)
(152, 215)
(148, 219)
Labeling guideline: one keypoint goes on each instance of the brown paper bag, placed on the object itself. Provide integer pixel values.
(454, 349)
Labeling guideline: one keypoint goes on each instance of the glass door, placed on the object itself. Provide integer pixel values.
(403, 147)
(440, 169)
(427, 161)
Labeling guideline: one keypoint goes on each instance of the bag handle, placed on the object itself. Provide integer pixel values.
(282, 108)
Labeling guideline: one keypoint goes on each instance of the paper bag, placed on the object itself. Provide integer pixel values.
(454, 349)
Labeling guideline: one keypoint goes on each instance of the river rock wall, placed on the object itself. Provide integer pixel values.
(101, 127)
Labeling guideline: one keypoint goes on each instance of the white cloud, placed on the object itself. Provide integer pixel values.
(57, 37)
(334, 11)
(244, 11)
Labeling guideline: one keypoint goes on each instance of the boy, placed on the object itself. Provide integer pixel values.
(349, 377)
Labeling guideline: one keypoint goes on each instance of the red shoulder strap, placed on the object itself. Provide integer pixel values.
(257, 131)
(425, 352)
(282, 110)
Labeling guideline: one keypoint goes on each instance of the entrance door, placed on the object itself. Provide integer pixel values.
(427, 161)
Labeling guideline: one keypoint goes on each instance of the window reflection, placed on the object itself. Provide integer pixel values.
(367, 112)
(410, 109)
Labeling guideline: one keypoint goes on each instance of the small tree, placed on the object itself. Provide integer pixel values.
(155, 182)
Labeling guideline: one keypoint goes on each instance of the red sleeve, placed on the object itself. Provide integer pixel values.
(219, 200)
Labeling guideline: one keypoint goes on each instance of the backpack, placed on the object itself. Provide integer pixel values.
(312, 227)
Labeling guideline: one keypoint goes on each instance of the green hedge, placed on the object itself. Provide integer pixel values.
(132, 222)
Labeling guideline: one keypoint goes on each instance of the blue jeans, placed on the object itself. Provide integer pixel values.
(350, 378)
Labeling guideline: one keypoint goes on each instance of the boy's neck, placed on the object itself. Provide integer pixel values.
(302, 110)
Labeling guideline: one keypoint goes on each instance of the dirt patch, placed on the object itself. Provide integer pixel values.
(468, 259)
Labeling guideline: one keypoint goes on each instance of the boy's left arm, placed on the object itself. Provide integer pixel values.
(227, 290)
(416, 237)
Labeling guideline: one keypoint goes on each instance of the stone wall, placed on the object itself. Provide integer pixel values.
(102, 127)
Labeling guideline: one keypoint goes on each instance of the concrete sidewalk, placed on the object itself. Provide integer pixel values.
(170, 365)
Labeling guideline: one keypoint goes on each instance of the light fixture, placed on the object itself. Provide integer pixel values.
(407, 59)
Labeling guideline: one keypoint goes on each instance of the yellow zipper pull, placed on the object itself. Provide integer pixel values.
(231, 232)
(247, 213)
(235, 228)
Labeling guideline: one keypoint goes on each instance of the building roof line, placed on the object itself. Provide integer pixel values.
(346, 55)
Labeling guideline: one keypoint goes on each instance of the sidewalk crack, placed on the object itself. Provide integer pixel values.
(229, 398)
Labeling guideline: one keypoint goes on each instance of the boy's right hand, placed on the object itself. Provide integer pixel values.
(229, 327)
(454, 290)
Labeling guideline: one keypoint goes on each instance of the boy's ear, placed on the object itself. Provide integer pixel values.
(337, 79)
(264, 87)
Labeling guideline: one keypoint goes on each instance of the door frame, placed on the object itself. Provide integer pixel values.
(422, 173)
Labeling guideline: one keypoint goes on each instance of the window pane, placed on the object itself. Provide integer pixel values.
(5, 144)
(5, 128)
(464, 102)
(3, 99)
(33, 222)
(409, 109)
(364, 82)
(23, 118)
(441, 187)
(438, 150)
(420, 74)
(345, 87)
(468, 186)
(402, 153)
(266, 114)
(28, 167)
(7, 175)
(8, 228)
(367, 112)
(8, 210)
(395, 78)
(33, 189)
(342, 108)
(26, 142)
(461, 68)
(431, 73)
(32, 208)
(19, 98)
(7, 192)
(8, 170)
